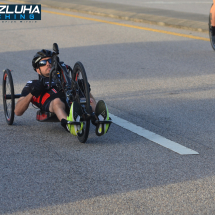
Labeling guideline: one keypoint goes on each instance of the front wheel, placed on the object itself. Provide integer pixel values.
(8, 96)
(80, 87)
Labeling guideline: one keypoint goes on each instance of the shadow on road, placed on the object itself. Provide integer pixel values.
(41, 165)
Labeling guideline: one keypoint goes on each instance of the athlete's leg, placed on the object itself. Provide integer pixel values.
(58, 107)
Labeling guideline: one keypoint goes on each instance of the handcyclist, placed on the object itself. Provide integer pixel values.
(53, 100)
(212, 17)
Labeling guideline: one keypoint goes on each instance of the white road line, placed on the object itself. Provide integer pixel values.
(182, 150)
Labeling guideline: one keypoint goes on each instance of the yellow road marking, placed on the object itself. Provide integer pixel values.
(126, 25)
(129, 26)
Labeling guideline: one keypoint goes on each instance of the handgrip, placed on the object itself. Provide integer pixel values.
(55, 48)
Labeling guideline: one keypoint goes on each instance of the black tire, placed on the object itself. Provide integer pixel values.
(210, 33)
(80, 84)
(8, 96)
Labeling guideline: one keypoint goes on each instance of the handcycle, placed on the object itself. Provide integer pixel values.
(72, 82)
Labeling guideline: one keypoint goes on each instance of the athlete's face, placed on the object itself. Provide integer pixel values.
(45, 67)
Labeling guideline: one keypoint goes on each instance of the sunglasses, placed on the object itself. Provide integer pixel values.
(43, 62)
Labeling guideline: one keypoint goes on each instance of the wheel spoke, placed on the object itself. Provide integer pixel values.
(8, 110)
(8, 90)
(79, 81)
(8, 103)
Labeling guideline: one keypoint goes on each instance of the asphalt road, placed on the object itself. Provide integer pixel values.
(191, 6)
(161, 82)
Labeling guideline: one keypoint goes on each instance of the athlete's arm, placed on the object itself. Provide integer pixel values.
(32, 88)
(22, 104)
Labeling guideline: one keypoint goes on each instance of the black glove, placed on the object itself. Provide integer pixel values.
(37, 89)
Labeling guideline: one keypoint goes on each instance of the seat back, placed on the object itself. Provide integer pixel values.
(43, 116)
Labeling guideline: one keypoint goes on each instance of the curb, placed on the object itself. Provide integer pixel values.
(124, 15)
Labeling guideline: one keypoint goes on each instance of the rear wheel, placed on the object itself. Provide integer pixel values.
(80, 87)
(8, 96)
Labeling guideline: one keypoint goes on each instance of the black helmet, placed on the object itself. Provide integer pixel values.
(40, 55)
